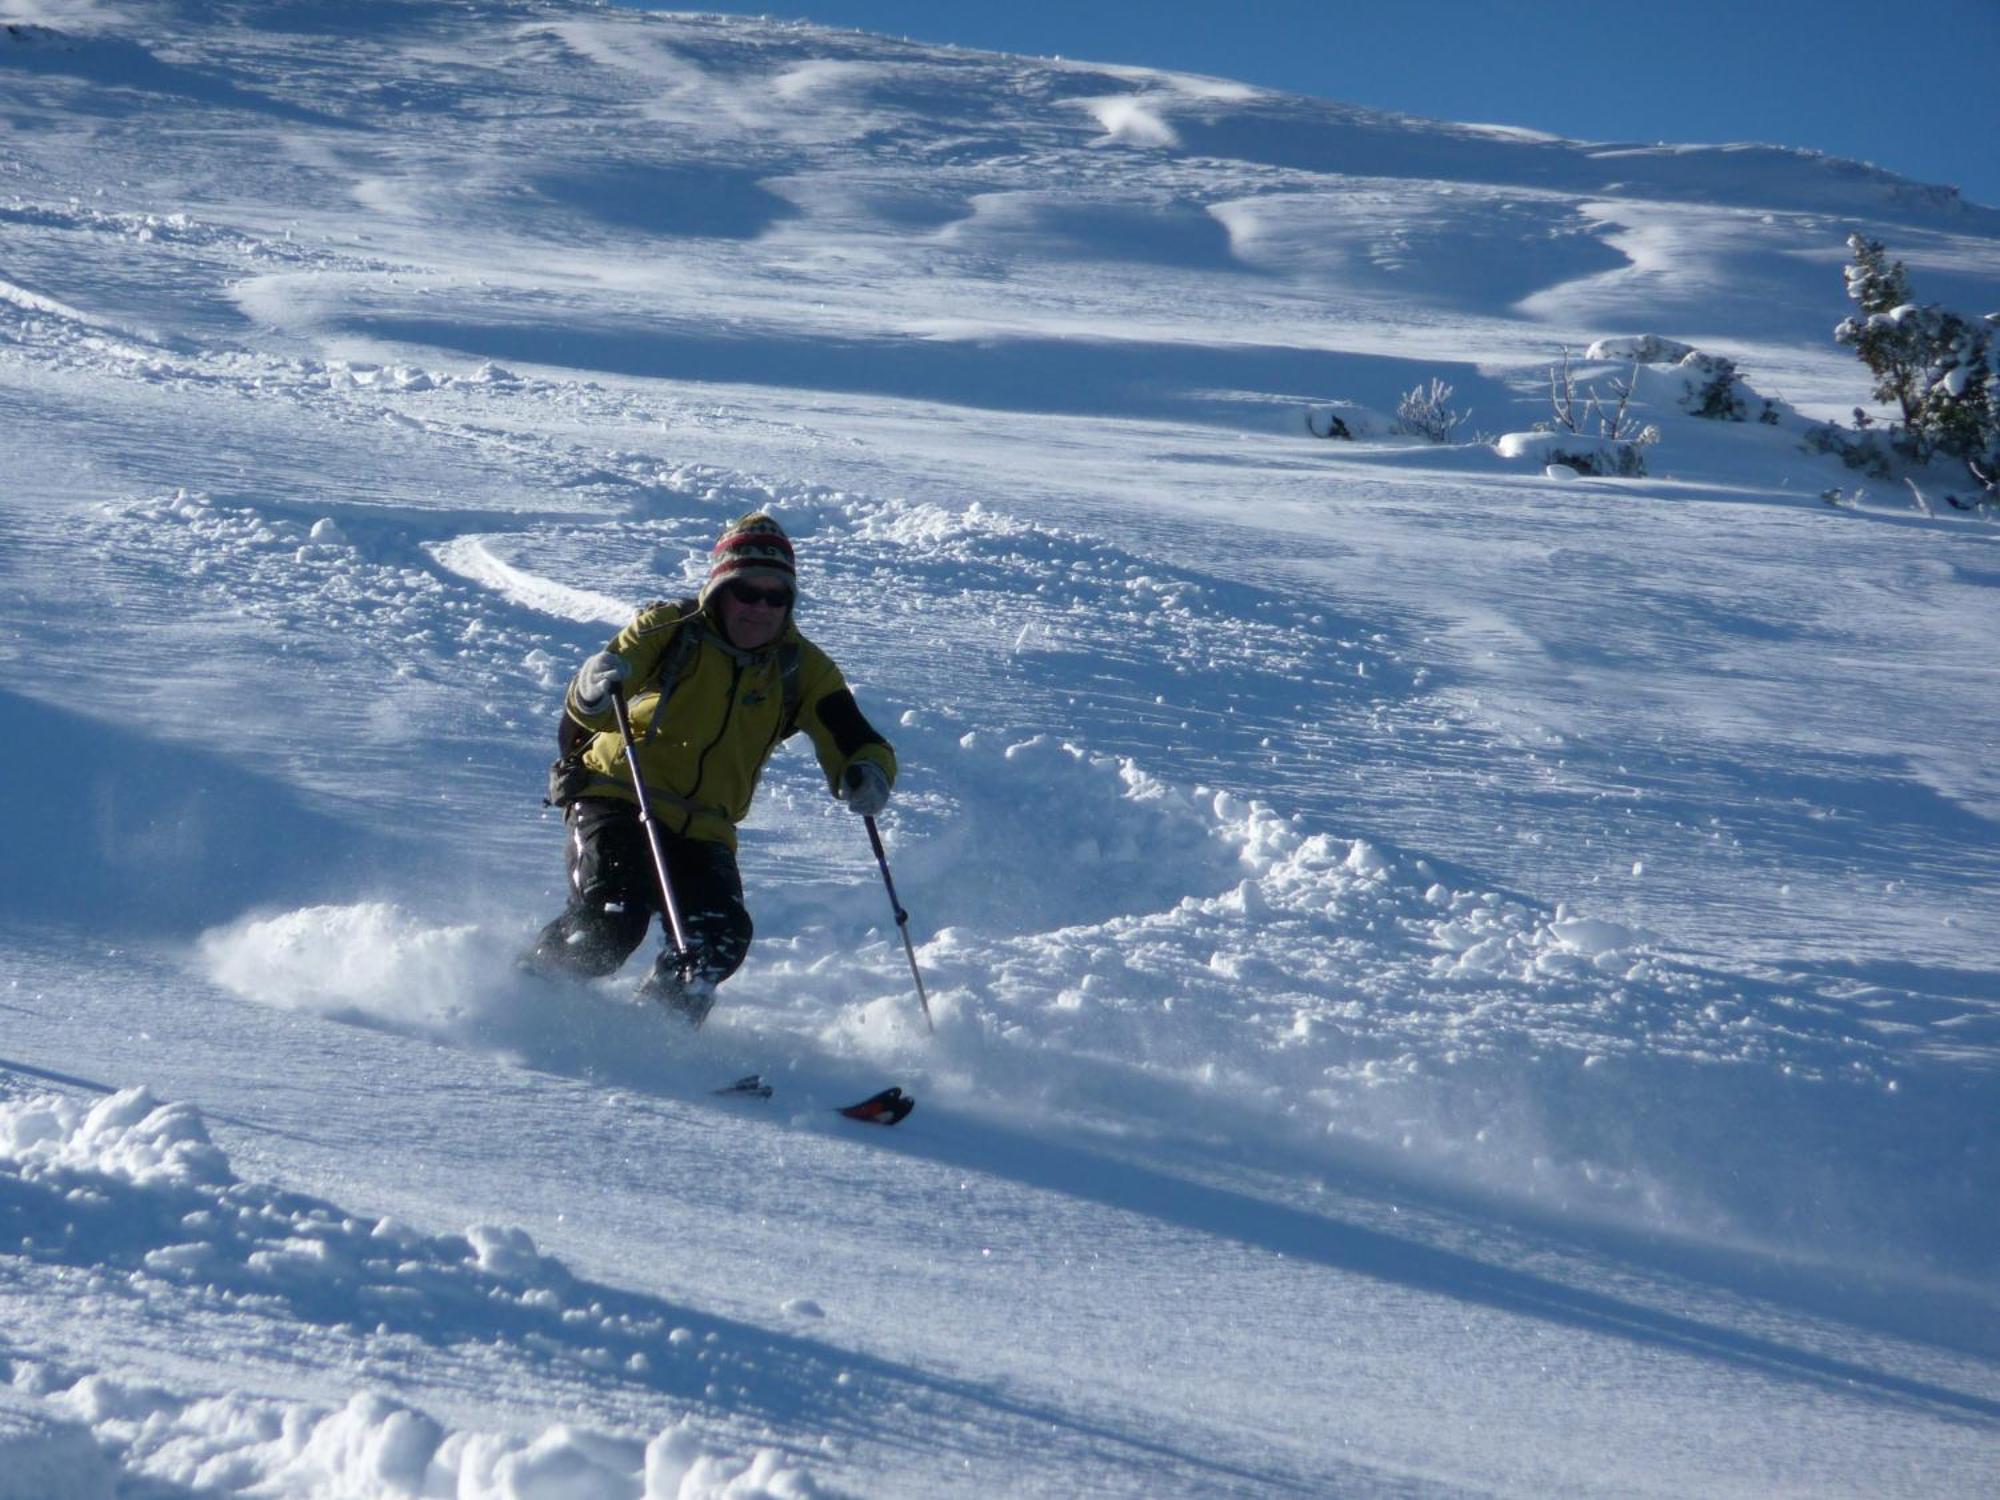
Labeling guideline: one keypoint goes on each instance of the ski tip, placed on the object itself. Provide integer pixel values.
(889, 1107)
(751, 1084)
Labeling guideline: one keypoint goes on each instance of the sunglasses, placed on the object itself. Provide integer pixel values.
(744, 592)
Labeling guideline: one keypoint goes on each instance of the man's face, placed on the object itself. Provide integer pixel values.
(753, 611)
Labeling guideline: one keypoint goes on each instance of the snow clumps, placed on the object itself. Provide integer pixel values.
(128, 1136)
(372, 1446)
(132, 1195)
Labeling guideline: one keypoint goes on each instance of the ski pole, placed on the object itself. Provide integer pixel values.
(669, 906)
(902, 920)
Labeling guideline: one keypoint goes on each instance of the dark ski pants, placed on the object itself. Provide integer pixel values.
(614, 896)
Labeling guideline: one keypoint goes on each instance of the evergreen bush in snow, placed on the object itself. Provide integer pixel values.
(1883, 342)
(1938, 368)
(1713, 389)
(1986, 468)
(1858, 447)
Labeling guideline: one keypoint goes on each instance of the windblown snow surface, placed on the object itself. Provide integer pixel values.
(1450, 977)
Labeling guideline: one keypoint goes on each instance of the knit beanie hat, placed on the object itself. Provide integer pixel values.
(754, 546)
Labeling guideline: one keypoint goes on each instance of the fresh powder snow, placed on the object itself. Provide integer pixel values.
(1459, 968)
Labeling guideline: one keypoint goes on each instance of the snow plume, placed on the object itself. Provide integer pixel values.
(135, 1191)
(1132, 121)
(384, 966)
(373, 959)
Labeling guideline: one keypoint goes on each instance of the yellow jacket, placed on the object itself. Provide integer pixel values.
(703, 738)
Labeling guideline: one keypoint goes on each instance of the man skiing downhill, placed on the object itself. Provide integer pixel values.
(714, 684)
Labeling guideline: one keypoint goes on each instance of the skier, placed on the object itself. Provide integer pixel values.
(714, 683)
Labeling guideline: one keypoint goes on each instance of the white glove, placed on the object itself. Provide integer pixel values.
(867, 788)
(596, 678)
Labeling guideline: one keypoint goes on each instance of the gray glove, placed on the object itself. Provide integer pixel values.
(596, 678)
(866, 787)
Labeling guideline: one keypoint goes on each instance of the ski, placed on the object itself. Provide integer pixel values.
(889, 1107)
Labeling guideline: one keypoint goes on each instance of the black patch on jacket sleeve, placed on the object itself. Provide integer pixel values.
(844, 720)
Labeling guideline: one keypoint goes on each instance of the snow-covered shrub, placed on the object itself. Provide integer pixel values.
(1429, 414)
(1961, 375)
(1985, 469)
(1713, 390)
(1882, 341)
(1642, 349)
(1612, 458)
(1860, 447)
(1939, 369)
(1940, 374)
(1616, 425)
(1711, 387)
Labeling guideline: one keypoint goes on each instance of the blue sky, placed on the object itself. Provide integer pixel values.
(1854, 78)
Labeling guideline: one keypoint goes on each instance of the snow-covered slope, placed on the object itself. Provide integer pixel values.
(1449, 978)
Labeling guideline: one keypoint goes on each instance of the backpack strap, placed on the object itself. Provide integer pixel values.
(788, 676)
(689, 630)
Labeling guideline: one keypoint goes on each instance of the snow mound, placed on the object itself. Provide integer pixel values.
(1645, 349)
(130, 1136)
(1125, 841)
(1573, 451)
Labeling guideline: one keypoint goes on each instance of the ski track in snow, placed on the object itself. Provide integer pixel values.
(1434, 902)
